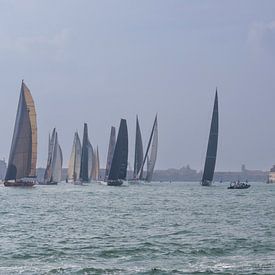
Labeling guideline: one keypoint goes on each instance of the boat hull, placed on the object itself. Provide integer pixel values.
(206, 183)
(239, 187)
(47, 183)
(19, 183)
(115, 183)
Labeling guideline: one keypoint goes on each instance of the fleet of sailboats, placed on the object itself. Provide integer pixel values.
(84, 165)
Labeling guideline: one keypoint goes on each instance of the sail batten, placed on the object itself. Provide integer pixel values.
(23, 152)
(211, 154)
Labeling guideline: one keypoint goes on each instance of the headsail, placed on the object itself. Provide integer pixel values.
(53, 170)
(48, 172)
(111, 149)
(138, 152)
(151, 160)
(75, 160)
(57, 160)
(154, 150)
(211, 154)
(23, 152)
(118, 169)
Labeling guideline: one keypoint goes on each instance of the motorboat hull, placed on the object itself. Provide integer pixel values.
(239, 187)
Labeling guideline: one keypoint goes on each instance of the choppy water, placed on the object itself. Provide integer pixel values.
(179, 228)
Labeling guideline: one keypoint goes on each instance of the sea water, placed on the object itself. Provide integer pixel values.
(158, 228)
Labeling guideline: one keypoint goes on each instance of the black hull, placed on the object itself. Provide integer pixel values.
(206, 183)
(115, 183)
(239, 187)
(47, 183)
(19, 184)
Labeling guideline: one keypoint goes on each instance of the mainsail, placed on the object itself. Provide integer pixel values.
(151, 160)
(75, 160)
(86, 157)
(118, 169)
(23, 152)
(111, 149)
(211, 154)
(138, 152)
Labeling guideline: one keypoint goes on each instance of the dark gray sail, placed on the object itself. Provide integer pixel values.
(111, 149)
(138, 152)
(23, 152)
(118, 170)
(85, 170)
(211, 154)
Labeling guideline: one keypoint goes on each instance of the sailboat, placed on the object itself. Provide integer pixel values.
(73, 174)
(111, 149)
(211, 154)
(21, 169)
(118, 168)
(86, 157)
(53, 170)
(150, 159)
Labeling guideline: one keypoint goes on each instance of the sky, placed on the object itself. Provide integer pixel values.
(99, 61)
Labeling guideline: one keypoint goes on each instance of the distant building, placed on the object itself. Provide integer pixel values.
(271, 175)
(3, 168)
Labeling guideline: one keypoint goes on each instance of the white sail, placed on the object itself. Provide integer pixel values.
(153, 156)
(57, 160)
(48, 170)
(54, 164)
(75, 160)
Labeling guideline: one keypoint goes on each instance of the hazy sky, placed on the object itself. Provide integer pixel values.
(98, 61)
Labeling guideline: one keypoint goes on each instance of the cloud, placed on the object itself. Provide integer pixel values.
(261, 38)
